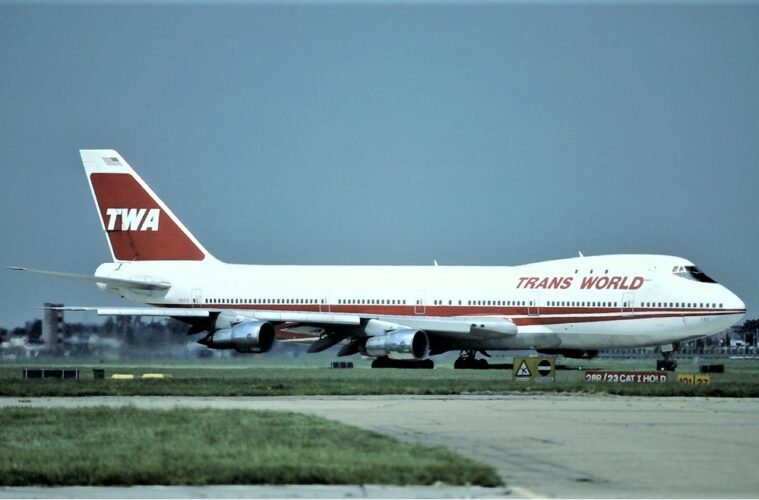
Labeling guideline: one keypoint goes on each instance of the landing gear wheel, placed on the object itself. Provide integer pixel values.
(468, 361)
(668, 364)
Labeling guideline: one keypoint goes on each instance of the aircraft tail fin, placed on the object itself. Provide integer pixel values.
(137, 224)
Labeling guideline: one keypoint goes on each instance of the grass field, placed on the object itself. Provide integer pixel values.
(127, 446)
(242, 377)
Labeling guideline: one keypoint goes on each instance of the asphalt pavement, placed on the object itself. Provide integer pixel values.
(542, 445)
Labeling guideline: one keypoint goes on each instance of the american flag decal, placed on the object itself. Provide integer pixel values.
(111, 161)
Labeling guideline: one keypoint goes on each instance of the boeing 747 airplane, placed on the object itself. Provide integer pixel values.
(573, 307)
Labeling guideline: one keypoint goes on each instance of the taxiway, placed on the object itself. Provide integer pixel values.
(544, 445)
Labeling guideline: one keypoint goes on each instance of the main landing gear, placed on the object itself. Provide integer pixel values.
(668, 363)
(467, 361)
(385, 362)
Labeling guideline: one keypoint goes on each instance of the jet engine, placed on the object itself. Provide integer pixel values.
(403, 343)
(249, 336)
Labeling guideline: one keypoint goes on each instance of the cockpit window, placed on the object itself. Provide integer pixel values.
(692, 273)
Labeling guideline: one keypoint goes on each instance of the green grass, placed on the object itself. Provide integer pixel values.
(254, 377)
(128, 446)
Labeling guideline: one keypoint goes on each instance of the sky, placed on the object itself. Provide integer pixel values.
(384, 133)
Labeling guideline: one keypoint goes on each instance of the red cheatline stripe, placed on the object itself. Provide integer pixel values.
(519, 315)
(443, 311)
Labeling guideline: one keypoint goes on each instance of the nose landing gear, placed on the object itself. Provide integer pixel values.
(667, 363)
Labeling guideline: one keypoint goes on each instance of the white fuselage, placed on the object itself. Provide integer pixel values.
(579, 303)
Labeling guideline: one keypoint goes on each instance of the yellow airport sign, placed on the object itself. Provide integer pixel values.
(534, 370)
(694, 378)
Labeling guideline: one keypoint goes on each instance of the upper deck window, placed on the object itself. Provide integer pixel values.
(692, 273)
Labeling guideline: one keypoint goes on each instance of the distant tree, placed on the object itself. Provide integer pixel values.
(34, 330)
(125, 328)
(749, 330)
(109, 326)
(177, 328)
(74, 328)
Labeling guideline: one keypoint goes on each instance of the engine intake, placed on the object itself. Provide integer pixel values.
(403, 343)
(248, 336)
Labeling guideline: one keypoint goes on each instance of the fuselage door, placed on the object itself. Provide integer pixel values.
(197, 297)
(419, 306)
(628, 303)
(533, 304)
(324, 301)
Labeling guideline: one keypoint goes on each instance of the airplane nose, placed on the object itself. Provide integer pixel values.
(741, 304)
(735, 302)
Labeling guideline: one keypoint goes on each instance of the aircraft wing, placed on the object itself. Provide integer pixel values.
(323, 330)
(307, 318)
(168, 312)
(477, 327)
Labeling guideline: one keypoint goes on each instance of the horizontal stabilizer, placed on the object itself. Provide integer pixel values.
(117, 282)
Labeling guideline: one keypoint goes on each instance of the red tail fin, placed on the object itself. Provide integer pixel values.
(138, 225)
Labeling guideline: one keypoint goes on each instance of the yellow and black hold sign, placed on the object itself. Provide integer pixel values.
(534, 370)
(693, 378)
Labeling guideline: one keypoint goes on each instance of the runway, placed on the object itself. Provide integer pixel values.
(544, 445)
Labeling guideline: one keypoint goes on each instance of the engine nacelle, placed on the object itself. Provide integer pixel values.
(227, 320)
(249, 336)
(403, 343)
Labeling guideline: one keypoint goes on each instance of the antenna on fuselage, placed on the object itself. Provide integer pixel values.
(581, 255)
(434, 262)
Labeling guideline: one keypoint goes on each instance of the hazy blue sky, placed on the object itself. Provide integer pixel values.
(491, 134)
